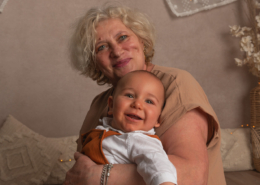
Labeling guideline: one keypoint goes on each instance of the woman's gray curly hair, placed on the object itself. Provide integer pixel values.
(82, 45)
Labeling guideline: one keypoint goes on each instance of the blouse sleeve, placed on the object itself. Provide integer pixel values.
(183, 93)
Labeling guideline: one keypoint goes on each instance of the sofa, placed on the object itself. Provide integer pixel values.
(27, 157)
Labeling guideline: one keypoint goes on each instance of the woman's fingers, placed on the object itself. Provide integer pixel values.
(77, 155)
(83, 159)
(84, 171)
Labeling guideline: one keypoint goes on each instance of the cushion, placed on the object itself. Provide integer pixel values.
(227, 142)
(25, 156)
(29, 158)
(236, 149)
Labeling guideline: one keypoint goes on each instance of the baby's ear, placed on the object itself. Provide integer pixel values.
(158, 122)
(110, 105)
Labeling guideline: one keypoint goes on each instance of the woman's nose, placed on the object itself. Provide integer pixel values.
(137, 105)
(116, 50)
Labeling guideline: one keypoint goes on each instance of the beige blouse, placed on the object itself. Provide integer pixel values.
(183, 93)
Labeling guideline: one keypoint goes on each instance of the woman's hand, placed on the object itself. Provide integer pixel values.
(84, 171)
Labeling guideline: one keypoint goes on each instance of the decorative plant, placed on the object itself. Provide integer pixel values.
(250, 44)
(250, 38)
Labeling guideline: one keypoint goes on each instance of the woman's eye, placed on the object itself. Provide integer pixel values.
(123, 37)
(149, 101)
(129, 95)
(101, 48)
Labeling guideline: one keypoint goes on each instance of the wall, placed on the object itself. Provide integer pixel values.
(40, 89)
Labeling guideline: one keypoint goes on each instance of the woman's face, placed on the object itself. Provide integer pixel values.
(118, 50)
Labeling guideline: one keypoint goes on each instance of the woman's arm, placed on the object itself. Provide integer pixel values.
(185, 144)
(86, 172)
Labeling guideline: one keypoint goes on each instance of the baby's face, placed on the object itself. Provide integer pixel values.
(137, 103)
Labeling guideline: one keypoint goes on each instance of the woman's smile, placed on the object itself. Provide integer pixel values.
(122, 63)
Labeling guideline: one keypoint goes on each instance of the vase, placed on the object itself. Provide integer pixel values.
(255, 125)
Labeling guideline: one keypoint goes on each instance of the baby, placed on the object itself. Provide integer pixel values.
(129, 137)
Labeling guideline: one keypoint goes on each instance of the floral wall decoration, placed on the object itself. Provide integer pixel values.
(249, 45)
(250, 38)
(188, 7)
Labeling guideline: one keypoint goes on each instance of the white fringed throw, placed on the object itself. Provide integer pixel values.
(188, 7)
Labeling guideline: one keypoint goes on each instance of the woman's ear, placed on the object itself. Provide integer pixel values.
(110, 105)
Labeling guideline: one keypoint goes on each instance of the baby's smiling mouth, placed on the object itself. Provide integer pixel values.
(134, 116)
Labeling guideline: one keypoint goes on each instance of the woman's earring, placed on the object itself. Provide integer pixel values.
(144, 52)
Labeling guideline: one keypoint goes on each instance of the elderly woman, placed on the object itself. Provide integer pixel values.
(111, 42)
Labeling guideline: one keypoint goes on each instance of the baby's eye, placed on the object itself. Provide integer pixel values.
(129, 95)
(123, 37)
(149, 101)
(100, 48)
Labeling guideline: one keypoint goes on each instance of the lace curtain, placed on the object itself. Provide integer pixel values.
(188, 7)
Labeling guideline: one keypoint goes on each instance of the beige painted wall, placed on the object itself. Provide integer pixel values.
(39, 88)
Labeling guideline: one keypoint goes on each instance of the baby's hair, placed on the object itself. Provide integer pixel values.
(147, 72)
